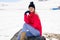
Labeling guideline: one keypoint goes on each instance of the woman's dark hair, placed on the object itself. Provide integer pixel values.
(31, 5)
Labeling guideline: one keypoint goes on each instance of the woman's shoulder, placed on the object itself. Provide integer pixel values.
(36, 14)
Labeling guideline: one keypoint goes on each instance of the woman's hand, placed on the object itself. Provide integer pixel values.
(27, 12)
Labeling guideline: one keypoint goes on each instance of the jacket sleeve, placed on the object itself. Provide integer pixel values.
(26, 19)
(37, 24)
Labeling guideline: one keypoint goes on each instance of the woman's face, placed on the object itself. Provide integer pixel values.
(31, 9)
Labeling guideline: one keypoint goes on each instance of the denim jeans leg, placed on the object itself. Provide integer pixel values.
(32, 30)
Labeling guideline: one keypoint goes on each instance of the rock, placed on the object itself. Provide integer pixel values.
(15, 36)
(50, 36)
(28, 38)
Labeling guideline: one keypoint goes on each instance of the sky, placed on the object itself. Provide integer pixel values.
(9, 0)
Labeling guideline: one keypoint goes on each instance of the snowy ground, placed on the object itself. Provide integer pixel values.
(12, 15)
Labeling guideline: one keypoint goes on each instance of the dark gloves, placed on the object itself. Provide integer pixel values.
(27, 12)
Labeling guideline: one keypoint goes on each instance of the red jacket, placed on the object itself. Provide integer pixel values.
(34, 21)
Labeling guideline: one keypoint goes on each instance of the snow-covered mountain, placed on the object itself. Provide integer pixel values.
(12, 16)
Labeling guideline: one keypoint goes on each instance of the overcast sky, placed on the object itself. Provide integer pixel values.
(8, 0)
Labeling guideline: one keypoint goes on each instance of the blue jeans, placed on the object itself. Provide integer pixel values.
(30, 31)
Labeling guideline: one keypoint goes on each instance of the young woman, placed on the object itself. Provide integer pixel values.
(32, 25)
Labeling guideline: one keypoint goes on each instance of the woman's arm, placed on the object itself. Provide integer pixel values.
(37, 24)
(26, 19)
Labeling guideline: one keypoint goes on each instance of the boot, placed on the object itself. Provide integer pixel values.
(23, 36)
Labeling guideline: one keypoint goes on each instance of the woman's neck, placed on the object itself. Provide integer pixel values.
(32, 12)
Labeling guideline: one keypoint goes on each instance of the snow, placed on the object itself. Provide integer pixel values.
(12, 17)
